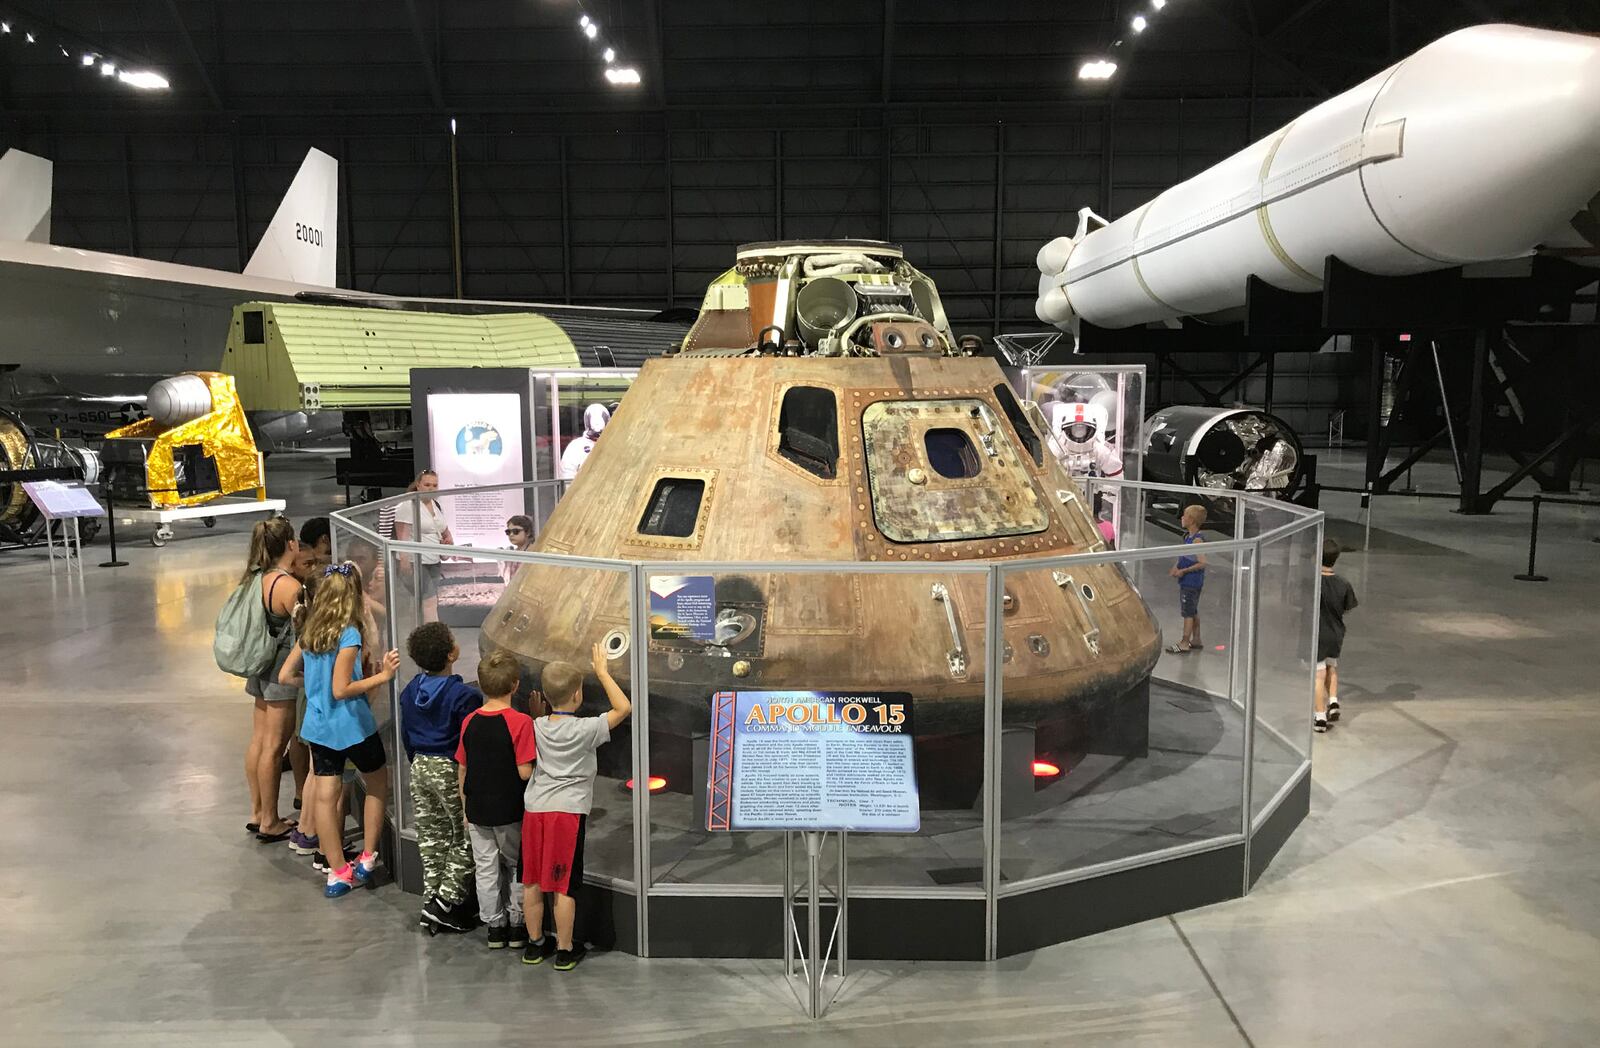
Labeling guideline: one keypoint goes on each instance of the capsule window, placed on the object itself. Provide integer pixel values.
(951, 453)
(808, 430)
(1019, 422)
(673, 508)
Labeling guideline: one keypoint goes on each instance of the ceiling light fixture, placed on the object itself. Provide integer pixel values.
(627, 75)
(1097, 70)
(28, 37)
(591, 30)
(144, 80)
(1139, 23)
(584, 21)
(88, 60)
(1158, 4)
(610, 56)
(5, 27)
(108, 69)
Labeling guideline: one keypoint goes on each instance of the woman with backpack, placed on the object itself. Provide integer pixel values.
(270, 579)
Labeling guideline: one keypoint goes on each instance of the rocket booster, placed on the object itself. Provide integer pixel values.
(1483, 145)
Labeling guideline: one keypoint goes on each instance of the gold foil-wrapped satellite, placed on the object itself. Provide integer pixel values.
(198, 443)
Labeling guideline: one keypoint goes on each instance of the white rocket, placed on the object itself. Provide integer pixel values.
(1483, 145)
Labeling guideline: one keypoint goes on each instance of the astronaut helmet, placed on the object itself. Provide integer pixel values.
(1077, 424)
(595, 417)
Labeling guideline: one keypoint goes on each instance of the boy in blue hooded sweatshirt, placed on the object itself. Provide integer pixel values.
(432, 709)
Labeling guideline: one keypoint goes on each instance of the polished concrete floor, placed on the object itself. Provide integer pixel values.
(1444, 891)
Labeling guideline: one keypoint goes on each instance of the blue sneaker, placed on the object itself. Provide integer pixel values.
(340, 883)
(364, 867)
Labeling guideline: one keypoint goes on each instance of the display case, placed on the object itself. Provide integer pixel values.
(1046, 813)
(564, 401)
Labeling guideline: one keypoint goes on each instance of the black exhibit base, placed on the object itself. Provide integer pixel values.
(931, 928)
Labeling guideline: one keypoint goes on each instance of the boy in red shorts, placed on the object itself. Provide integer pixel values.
(557, 802)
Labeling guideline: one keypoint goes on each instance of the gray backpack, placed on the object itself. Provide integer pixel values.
(245, 644)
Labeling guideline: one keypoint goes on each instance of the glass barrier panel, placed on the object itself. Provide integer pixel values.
(400, 611)
(478, 518)
(1259, 515)
(1285, 657)
(1127, 507)
(357, 548)
(846, 633)
(571, 409)
(545, 612)
(1113, 745)
(363, 515)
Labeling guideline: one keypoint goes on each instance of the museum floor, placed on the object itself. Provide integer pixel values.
(1445, 889)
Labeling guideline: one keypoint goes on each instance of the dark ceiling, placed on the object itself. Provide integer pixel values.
(303, 57)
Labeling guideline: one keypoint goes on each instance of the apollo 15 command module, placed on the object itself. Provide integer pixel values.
(820, 409)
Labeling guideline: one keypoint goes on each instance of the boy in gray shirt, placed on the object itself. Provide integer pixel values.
(557, 801)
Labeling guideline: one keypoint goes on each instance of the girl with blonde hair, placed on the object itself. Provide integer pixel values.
(339, 725)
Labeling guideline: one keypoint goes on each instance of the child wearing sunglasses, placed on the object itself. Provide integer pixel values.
(519, 533)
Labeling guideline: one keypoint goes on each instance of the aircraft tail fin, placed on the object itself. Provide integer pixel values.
(25, 197)
(301, 245)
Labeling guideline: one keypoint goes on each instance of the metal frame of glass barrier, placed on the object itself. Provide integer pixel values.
(995, 917)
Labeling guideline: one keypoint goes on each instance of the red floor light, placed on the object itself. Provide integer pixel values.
(1045, 770)
(657, 783)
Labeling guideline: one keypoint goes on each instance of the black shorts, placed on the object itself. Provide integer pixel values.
(367, 755)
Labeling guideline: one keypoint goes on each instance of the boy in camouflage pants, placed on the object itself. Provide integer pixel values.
(432, 709)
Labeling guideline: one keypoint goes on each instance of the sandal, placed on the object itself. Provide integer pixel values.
(1179, 649)
(272, 838)
(252, 827)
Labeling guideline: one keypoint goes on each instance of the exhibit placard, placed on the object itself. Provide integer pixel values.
(813, 760)
(683, 607)
(475, 439)
(58, 501)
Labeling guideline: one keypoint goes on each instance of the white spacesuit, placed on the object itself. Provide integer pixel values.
(595, 417)
(1077, 438)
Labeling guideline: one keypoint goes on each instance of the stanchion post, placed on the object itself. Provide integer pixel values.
(111, 527)
(1532, 575)
(1366, 505)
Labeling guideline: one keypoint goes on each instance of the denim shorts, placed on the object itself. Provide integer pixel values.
(1189, 601)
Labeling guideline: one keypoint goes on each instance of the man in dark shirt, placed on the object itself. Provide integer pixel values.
(495, 759)
(1338, 597)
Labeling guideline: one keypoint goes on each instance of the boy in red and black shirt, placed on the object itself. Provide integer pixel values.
(495, 759)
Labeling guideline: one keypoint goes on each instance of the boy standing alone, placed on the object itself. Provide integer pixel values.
(1190, 571)
(496, 757)
(558, 801)
(1338, 597)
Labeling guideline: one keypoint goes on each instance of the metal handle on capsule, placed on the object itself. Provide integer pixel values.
(957, 655)
(1091, 636)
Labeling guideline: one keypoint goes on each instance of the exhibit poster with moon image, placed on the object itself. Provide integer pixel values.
(475, 440)
(813, 760)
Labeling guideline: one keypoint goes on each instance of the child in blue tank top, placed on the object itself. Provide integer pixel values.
(339, 725)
